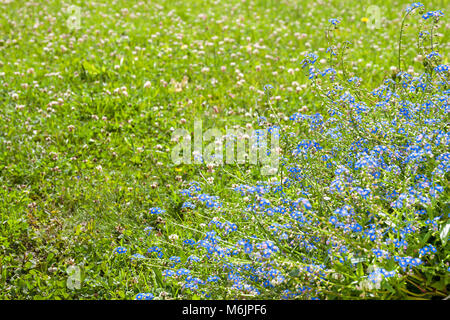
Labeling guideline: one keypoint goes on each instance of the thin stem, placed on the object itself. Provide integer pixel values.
(401, 35)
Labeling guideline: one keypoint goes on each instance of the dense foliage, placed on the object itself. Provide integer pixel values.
(358, 207)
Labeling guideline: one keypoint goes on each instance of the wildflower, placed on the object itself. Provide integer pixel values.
(413, 6)
(156, 210)
(334, 21)
(427, 249)
(190, 242)
(175, 259)
(310, 59)
(432, 54)
(193, 258)
(441, 68)
(144, 296)
(183, 272)
(333, 220)
(148, 230)
(435, 14)
(137, 256)
(173, 237)
(120, 250)
(213, 279)
(157, 250)
(168, 273)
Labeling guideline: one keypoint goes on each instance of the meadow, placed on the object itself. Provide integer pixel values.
(92, 205)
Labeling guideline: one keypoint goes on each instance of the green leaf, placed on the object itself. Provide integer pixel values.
(425, 238)
(360, 270)
(386, 285)
(90, 68)
(440, 285)
(50, 256)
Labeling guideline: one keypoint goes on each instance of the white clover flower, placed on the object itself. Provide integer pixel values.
(173, 237)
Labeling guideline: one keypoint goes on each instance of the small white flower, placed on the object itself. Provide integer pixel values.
(173, 237)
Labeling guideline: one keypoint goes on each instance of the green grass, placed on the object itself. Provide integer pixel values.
(79, 164)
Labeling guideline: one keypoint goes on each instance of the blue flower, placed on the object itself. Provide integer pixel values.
(433, 54)
(168, 273)
(427, 249)
(175, 259)
(157, 250)
(334, 21)
(120, 250)
(306, 203)
(188, 204)
(190, 242)
(413, 6)
(441, 68)
(183, 272)
(379, 274)
(148, 230)
(156, 210)
(144, 296)
(137, 256)
(213, 279)
(311, 58)
(193, 258)
(421, 211)
(435, 14)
